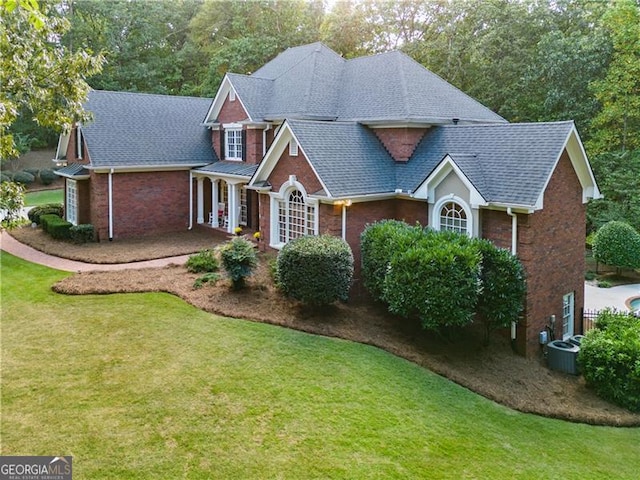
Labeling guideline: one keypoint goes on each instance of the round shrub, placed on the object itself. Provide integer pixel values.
(48, 208)
(33, 171)
(204, 261)
(316, 270)
(378, 243)
(436, 281)
(617, 244)
(503, 287)
(23, 177)
(47, 177)
(4, 177)
(239, 259)
(610, 359)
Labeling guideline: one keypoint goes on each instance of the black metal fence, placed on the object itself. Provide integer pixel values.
(588, 319)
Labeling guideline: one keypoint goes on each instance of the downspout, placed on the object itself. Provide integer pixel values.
(345, 204)
(191, 200)
(514, 251)
(111, 205)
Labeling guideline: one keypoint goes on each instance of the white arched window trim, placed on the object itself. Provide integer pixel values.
(283, 196)
(437, 209)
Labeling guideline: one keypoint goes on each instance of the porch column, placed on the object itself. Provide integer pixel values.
(200, 218)
(214, 203)
(234, 207)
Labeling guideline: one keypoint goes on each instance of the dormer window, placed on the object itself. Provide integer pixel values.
(233, 142)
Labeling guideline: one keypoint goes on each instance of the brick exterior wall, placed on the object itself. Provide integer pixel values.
(400, 142)
(143, 203)
(71, 150)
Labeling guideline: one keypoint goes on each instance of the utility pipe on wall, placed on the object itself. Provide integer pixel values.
(190, 200)
(110, 205)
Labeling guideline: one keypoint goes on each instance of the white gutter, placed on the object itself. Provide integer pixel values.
(191, 200)
(514, 251)
(111, 205)
(143, 168)
(344, 222)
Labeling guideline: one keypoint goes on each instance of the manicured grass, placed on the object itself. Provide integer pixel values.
(146, 386)
(31, 199)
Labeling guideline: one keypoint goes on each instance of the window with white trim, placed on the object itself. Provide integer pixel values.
(567, 315)
(71, 207)
(243, 207)
(296, 217)
(233, 143)
(453, 218)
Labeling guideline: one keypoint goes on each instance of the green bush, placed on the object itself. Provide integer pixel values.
(604, 284)
(56, 226)
(209, 277)
(378, 243)
(33, 171)
(503, 287)
(610, 359)
(617, 244)
(47, 177)
(203, 262)
(5, 177)
(83, 233)
(23, 177)
(315, 270)
(239, 259)
(436, 281)
(48, 208)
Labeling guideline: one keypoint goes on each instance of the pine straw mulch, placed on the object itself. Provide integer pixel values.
(494, 372)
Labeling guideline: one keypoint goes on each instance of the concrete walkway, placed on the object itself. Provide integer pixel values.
(14, 247)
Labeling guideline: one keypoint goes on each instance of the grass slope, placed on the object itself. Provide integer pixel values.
(146, 386)
(31, 199)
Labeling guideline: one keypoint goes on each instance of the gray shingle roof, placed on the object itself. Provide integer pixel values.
(506, 163)
(138, 129)
(72, 170)
(226, 167)
(347, 156)
(314, 82)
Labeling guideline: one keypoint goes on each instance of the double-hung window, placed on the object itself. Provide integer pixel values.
(233, 143)
(72, 202)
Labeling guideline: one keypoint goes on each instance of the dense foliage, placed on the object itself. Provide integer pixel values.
(55, 226)
(610, 359)
(82, 233)
(378, 242)
(11, 204)
(48, 208)
(617, 244)
(239, 260)
(203, 262)
(317, 270)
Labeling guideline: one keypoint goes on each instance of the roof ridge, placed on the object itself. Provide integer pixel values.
(403, 85)
(294, 65)
(164, 95)
(509, 124)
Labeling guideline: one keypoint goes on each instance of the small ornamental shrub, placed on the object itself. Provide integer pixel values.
(47, 177)
(239, 260)
(83, 233)
(4, 177)
(503, 287)
(23, 177)
(378, 243)
(610, 359)
(316, 270)
(437, 282)
(48, 208)
(209, 277)
(56, 226)
(203, 262)
(33, 171)
(617, 244)
(11, 204)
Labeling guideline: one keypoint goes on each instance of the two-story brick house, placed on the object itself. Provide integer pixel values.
(312, 143)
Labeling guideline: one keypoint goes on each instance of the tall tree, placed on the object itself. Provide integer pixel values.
(141, 40)
(241, 36)
(38, 75)
(618, 122)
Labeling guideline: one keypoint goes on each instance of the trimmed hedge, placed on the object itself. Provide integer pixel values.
(47, 177)
(83, 233)
(610, 359)
(315, 270)
(56, 226)
(48, 208)
(23, 177)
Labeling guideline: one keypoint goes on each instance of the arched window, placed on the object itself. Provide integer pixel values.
(453, 218)
(296, 217)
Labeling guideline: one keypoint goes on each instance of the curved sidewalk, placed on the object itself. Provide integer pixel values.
(14, 247)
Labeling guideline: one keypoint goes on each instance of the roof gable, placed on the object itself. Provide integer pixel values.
(143, 130)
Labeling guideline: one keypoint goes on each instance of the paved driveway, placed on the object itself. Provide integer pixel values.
(596, 298)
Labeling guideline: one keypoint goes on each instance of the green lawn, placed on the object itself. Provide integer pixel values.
(146, 386)
(31, 199)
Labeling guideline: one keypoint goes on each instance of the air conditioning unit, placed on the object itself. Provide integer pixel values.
(576, 340)
(563, 356)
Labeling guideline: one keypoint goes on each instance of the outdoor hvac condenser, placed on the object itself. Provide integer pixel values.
(563, 356)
